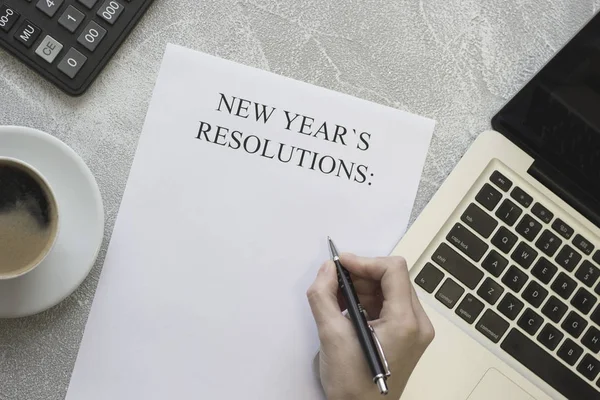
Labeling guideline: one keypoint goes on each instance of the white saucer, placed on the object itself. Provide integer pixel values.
(81, 223)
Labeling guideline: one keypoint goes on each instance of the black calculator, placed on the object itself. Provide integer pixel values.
(67, 41)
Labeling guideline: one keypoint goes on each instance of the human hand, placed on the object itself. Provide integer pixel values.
(404, 330)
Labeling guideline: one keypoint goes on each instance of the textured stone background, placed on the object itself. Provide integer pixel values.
(456, 61)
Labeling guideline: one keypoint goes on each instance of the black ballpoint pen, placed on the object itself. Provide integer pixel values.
(366, 335)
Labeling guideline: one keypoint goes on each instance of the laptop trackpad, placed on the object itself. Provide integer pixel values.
(495, 386)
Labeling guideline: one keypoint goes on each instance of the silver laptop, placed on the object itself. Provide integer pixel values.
(506, 256)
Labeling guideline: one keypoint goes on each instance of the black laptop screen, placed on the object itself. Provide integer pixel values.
(556, 117)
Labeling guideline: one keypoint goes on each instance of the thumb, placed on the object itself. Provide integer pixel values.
(322, 296)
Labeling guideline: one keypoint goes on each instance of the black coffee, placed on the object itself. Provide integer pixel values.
(28, 218)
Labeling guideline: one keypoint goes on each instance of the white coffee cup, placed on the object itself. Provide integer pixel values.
(29, 218)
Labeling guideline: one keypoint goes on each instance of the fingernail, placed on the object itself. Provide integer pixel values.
(324, 268)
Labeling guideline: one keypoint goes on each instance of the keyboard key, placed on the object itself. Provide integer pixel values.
(530, 321)
(71, 19)
(534, 294)
(465, 241)
(429, 278)
(563, 285)
(591, 340)
(509, 212)
(468, 274)
(480, 221)
(548, 243)
(544, 270)
(528, 227)
(49, 49)
(88, 3)
(550, 336)
(72, 63)
(510, 306)
(490, 291)
(488, 197)
(568, 258)
(588, 273)
(524, 255)
(562, 228)
(449, 293)
(589, 367)
(504, 240)
(27, 33)
(492, 326)
(521, 197)
(91, 36)
(583, 301)
(596, 257)
(8, 18)
(574, 324)
(596, 316)
(570, 352)
(515, 279)
(583, 244)
(542, 213)
(49, 7)
(554, 309)
(494, 263)
(501, 181)
(110, 11)
(544, 365)
(469, 309)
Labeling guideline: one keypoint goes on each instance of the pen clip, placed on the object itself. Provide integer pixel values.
(381, 353)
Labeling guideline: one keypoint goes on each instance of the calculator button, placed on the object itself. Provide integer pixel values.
(88, 3)
(27, 33)
(72, 63)
(71, 19)
(91, 36)
(49, 7)
(8, 17)
(110, 11)
(49, 49)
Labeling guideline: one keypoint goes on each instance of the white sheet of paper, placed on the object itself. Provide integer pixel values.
(202, 295)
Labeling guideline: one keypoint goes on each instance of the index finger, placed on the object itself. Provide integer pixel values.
(392, 272)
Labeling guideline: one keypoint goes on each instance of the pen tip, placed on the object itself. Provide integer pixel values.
(329, 238)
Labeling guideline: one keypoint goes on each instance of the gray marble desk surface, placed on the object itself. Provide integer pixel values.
(456, 61)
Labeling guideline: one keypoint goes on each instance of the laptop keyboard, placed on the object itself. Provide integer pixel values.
(526, 281)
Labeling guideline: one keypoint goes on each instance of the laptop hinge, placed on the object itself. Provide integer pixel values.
(566, 190)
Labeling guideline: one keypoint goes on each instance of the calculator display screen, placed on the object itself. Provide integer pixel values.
(556, 116)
